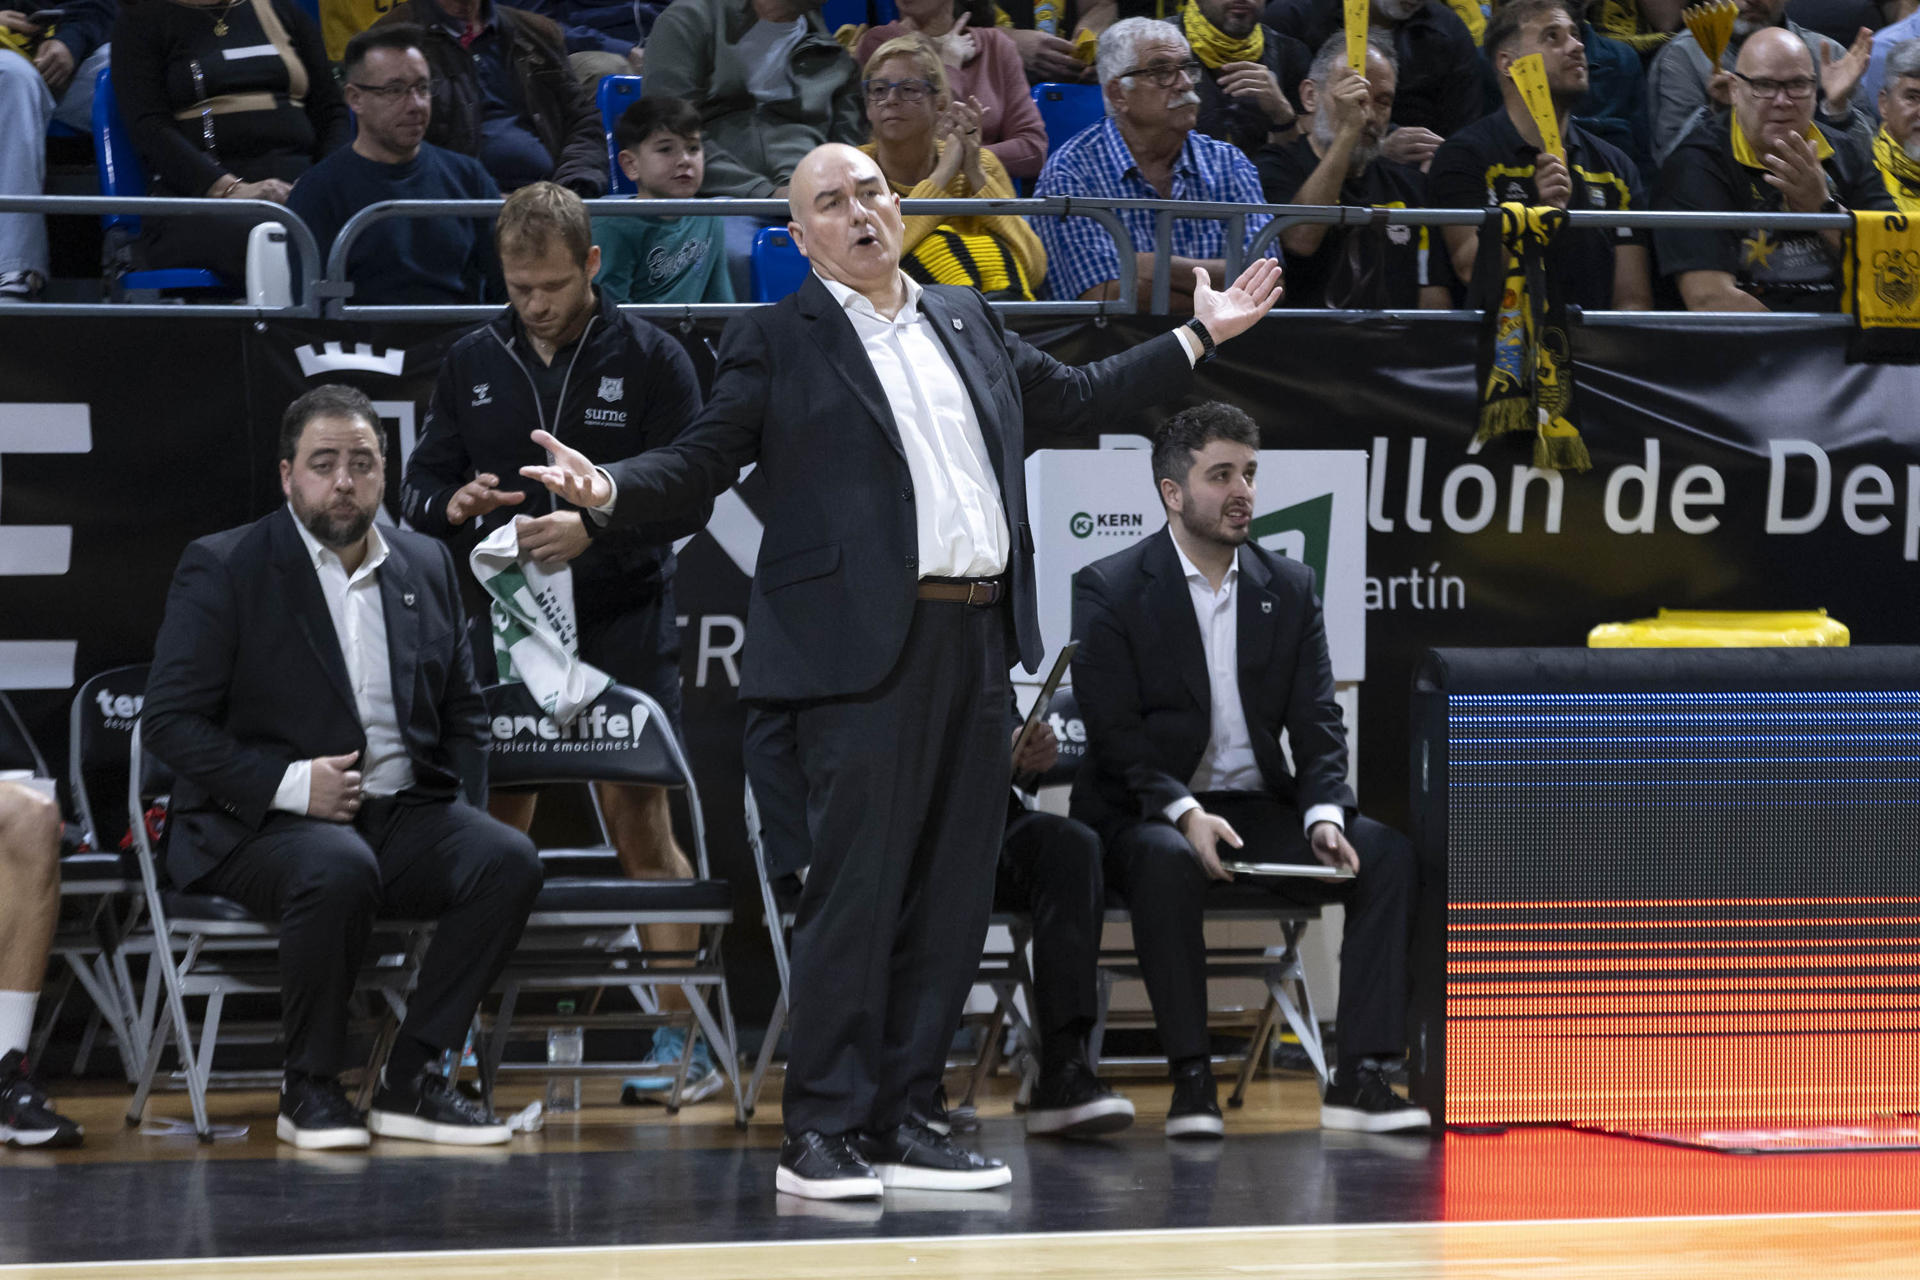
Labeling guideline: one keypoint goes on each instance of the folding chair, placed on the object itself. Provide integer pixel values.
(1279, 968)
(1005, 973)
(99, 724)
(1066, 109)
(207, 945)
(121, 173)
(778, 266)
(615, 95)
(584, 930)
(83, 940)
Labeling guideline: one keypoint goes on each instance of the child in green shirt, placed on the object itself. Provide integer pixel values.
(662, 259)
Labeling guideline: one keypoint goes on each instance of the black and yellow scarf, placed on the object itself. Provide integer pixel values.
(1215, 47)
(1526, 360)
(1883, 289)
(978, 259)
(1900, 171)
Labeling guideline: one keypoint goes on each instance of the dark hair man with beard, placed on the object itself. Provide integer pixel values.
(1197, 648)
(1500, 159)
(312, 691)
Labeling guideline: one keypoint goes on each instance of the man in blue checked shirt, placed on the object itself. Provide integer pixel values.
(1146, 149)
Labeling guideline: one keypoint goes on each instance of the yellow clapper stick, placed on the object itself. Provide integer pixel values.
(1357, 15)
(1530, 77)
(1712, 26)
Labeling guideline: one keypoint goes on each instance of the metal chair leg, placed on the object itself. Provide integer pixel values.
(776, 1023)
(1256, 1049)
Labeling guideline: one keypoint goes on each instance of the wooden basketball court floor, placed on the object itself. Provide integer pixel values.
(629, 1192)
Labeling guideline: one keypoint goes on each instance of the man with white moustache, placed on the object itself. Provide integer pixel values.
(1148, 148)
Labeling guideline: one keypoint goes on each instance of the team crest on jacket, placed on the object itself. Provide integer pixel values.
(480, 394)
(613, 389)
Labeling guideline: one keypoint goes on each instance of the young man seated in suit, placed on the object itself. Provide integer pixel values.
(312, 691)
(1197, 649)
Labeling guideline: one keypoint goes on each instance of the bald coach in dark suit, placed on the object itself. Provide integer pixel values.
(895, 581)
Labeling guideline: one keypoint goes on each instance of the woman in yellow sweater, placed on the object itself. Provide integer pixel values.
(929, 147)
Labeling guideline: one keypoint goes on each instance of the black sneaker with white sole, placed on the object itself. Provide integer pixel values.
(915, 1156)
(1071, 1102)
(315, 1115)
(1358, 1098)
(1195, 1111)
(26, 1118)
(428, 1108)
(825, 1166)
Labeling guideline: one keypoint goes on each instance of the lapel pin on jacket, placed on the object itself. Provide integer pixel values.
(406, 598)
(1266, 606)
(958, 323)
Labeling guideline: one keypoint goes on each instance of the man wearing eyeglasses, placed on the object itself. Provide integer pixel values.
(401, 261)
(1148, 148)
(1683, 89)
(1769, 156)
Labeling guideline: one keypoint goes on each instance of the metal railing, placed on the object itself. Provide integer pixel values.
(299, 235)
(327, 291)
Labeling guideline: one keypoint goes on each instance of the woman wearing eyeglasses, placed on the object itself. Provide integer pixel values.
(982, 62)
(929, 147)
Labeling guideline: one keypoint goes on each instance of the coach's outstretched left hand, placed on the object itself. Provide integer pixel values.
(1231, 312)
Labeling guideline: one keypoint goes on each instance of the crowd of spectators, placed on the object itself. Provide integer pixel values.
(1205, 100)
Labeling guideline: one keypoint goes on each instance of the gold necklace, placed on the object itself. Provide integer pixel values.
(219, 23)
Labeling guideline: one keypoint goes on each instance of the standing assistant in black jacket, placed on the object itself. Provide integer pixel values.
(622, 388)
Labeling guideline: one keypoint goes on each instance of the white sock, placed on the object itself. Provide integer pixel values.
(16, 1019)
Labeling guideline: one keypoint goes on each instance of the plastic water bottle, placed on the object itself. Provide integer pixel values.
(566, 1049)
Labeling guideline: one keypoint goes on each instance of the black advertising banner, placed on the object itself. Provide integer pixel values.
(1733, 468)
(119, 443)
(1738, 468)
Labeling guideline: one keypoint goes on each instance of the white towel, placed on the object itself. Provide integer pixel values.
(536, 639)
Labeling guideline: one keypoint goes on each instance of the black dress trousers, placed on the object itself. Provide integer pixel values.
(906, 789)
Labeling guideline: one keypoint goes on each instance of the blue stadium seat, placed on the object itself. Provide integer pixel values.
(1066, 109)
(311, 8)
(851, 13)
(778, 267)
(122, 174)
(616, 94)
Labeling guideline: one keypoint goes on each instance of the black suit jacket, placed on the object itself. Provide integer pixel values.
(833, 593)
(1140, 676)
(248, 677)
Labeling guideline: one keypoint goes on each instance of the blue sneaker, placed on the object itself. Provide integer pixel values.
(669, 1043)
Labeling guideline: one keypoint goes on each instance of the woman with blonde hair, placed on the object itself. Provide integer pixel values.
(929, 147)
(981, 62)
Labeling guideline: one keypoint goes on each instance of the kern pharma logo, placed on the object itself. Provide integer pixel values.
(1107, 524)
(1299, 532)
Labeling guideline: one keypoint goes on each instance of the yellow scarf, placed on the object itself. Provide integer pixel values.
(1743, 150)
(1883, 288)
(1526, 363)
(1213, 46)
(1900, 171)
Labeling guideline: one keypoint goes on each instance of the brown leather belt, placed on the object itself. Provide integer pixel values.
(978, 592)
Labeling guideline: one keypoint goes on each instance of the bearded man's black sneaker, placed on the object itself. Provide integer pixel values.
(1358, 1098)
(428, 1108)
(1071, 1102)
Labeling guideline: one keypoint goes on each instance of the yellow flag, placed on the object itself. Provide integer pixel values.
(1530, 77)
(1712, 26)
(1357, 15)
